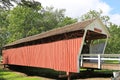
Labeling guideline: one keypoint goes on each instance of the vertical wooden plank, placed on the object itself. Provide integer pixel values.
(59, 55)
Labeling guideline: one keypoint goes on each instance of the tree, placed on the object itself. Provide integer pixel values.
(3, 25)
(67, 20)
(31, 4)
(25, 21)
(114, 41)
(8, 4)
(92, 14)
(54, 18)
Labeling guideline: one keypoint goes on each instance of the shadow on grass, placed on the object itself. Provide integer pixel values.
(92, 74)
(41, 72)
(52, 74)
(1, 78)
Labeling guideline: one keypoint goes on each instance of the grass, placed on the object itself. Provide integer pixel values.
(29, 71)
(48, 73)
(34, 71)
(113, 61)
(8, 75)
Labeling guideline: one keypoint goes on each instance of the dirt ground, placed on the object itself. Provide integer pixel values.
(1, 66)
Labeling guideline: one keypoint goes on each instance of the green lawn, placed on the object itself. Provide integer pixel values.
(8, 75)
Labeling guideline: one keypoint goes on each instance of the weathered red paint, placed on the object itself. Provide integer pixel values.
(60, 55)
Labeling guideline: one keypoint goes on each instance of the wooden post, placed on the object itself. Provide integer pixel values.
(81, 64)
(4, 66)
(68, 74)
(99, 61)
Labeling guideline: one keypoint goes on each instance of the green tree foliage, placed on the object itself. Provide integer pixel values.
(3, 27)
(66, 21)
(8, 4)
(31, 4)
(53, 18)
(5, 4)
(30, 18)
(95, 14)
(23, 22)
(113, 46)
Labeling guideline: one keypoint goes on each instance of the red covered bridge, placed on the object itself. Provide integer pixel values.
(57, 49)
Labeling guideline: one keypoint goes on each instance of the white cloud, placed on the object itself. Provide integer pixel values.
(115, 18)
(75, 8)
(104, 7)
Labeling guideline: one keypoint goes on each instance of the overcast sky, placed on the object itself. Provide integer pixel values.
(75, 8)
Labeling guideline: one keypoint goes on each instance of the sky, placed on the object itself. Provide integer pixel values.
(76, 8)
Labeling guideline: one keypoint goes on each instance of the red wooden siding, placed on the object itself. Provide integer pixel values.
(60, 55)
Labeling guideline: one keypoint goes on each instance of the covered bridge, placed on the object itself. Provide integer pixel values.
(57, 49)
